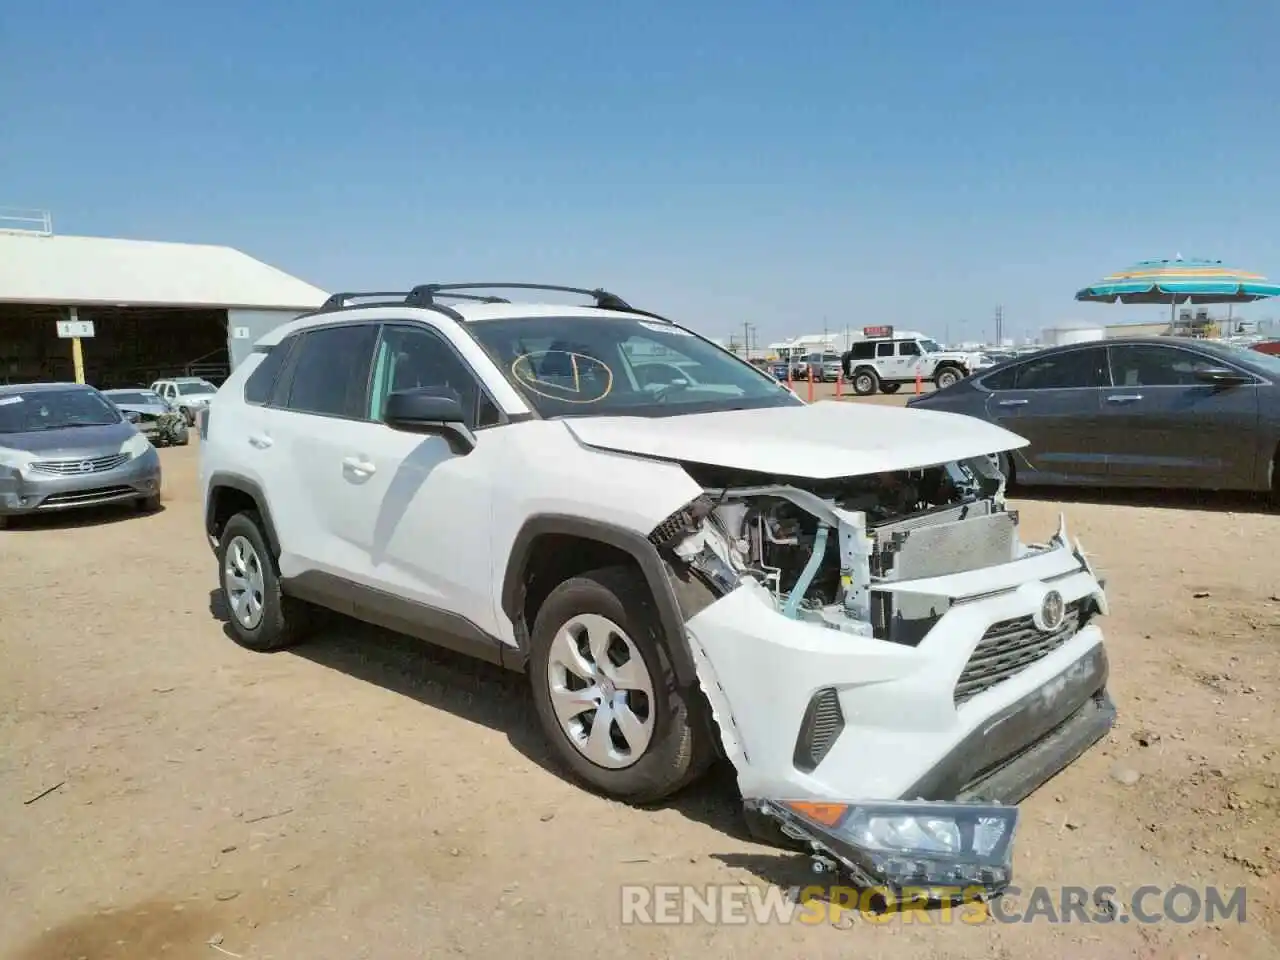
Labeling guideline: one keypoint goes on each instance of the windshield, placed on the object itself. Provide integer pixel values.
(930, 346)
(602, 366)
(189, 387)
(135, 396)
(54, 410)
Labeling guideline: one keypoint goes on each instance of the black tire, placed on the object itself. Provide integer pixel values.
(680, 749)
(149, 504)
(188, 415)
(947, 375)
(284, 620)
(890, 387)
(1006, 467)
(865, 382)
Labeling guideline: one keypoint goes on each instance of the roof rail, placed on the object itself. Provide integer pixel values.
(339, 301)
(425, 294)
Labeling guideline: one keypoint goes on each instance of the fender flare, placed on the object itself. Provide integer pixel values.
(251, 489)
(636, 545)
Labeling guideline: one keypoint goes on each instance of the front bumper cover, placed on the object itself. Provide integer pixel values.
(26, 493)
(994, 768)
(1026, 744)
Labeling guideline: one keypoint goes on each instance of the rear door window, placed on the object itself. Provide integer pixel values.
(1073, 369)
(330, 375)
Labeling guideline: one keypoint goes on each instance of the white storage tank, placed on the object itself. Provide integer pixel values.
(1065, 333)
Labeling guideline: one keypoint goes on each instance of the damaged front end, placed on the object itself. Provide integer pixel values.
(876, 648)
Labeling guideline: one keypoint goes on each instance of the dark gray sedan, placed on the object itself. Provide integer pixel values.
(65, 445)
(1152, 412)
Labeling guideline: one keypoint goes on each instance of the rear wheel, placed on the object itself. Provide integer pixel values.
(261, 617)
(865, 382)
(606, 693)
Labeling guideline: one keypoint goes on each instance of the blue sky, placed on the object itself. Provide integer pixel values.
(835, 162)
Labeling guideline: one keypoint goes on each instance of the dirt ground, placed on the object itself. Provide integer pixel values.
(366, 797)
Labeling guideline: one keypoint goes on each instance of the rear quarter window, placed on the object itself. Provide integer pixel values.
(258, 386)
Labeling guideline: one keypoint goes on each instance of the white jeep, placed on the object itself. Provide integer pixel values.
(189, 395)
(685, 558)
(886, 363)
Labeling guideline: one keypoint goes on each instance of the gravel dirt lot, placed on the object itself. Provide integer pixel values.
(366, 797)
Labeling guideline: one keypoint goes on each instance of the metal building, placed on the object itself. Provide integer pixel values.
(155, 309)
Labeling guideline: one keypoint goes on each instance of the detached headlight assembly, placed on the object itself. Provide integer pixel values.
(906, 844)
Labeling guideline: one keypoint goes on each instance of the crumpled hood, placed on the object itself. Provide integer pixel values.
(818, 441)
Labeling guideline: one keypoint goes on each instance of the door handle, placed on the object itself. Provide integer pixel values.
(259, 441)
(357, 465)
(1012, 403)
(1124, 398)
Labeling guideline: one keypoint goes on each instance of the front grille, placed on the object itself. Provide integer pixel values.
(823, 721)
(1010, 646)
(74, 468)
(84, 497)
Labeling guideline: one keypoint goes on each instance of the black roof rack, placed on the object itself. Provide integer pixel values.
(339, 301)
(425, 294)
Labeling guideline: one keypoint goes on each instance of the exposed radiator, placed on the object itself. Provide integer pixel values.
(942, 543)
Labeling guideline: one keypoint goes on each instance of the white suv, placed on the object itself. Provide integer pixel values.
(885, 364)
(684, 557)
(189, 395)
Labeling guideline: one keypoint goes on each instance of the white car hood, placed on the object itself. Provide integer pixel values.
(818, 441)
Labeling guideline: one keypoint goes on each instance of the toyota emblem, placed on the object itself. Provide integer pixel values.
(86, 466)
(1052, 612)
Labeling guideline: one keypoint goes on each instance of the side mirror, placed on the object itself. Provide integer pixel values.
(1222, 376)
(426, 411)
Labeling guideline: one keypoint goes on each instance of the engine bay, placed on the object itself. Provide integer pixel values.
(822, 547)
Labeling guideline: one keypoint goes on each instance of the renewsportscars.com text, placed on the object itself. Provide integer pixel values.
(738, 904)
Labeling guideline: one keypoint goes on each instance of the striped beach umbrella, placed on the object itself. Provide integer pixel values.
(1180, 281)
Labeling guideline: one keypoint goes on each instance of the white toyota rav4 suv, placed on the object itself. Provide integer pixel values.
(685, 558)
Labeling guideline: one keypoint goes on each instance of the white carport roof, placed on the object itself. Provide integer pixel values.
(102, 271)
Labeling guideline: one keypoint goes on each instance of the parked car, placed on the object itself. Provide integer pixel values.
(156, 419)
(1271, 347)
(885, 364)
(496, 477)
(1132, 412)
(189, 394)
(65, 445)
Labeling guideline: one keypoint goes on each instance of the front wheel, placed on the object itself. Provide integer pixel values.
(605, 691)
(946, 377)
(865, 382)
